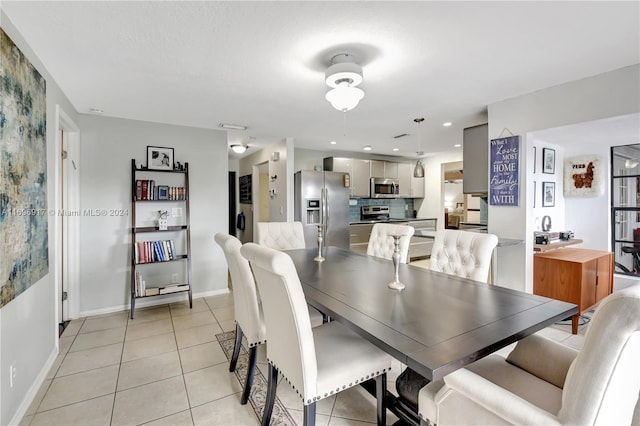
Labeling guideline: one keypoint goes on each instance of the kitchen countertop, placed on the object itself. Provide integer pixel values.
(502, 242)
(391, 220)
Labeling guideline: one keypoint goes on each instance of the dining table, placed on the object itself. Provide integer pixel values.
(437, 324)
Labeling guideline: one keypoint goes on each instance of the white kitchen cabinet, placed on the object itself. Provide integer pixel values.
(377, 168)
(390, 170)
(360, 178)
(359, 172)
(404, 179)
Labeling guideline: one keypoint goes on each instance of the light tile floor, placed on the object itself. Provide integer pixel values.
(166, 367)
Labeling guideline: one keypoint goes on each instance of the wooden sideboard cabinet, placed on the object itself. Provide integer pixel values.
(573, 275)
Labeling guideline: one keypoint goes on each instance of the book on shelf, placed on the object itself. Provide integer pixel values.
(152, 291)
(173, 288)
(154, 251)
(147, 190)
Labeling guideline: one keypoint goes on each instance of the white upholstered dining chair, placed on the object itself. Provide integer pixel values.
(247, 310)
(286, 236)
(462, 253)
(543, 382)
(320, 361)
(381, 243)
(280, 235)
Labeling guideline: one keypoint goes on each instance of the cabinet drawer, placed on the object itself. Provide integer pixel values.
(420, 249)
(429, 224)
(359, 233)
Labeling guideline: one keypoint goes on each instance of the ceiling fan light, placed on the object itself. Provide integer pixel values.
(239, 148)
(344, 98)
(418, 170)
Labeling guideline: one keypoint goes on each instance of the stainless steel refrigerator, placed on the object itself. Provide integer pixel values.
(322, 198)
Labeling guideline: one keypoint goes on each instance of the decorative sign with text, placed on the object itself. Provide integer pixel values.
(504, 171)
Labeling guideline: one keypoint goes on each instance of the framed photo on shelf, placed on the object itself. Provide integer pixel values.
(548, 160)
(163, 192)
(548, 194)
(159, 158)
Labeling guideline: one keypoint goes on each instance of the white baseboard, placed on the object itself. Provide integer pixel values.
(35, 387)
(153, 301)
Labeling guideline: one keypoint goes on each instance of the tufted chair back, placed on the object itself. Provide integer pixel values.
(280, 235)
(381, 243)
(603, 382)
(245, 299)
(462, 253)
(291, 345)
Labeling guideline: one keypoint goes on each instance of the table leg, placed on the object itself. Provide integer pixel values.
(574, 323)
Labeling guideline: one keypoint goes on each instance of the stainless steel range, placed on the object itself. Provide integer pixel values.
(376, 214)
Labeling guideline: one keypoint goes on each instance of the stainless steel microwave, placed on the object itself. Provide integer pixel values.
(384, 188)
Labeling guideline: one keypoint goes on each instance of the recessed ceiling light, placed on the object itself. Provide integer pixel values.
(457, 145)
(396, 149)
(96, 111)
(367, 148)
(333, 142)
(447, 124)
(232, 126)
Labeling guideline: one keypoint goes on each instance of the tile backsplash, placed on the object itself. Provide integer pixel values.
(398, 207)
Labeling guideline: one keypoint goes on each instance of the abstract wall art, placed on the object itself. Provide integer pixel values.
(24, 246)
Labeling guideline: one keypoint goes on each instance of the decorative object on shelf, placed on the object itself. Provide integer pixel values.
(343, 76)
(548, 194)
(159, 158)
(163, 192)
(178, 167)
(584, 176)
(418, 170)
(548, 160)
(396, 284)
(504, 174)
(319, 257)
(163, 222)
(23, 173)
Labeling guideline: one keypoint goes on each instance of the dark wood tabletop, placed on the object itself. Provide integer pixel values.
(437, 324)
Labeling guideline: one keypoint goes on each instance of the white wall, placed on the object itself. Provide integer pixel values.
(28, 324)
(606, 95)
(279, 208)
(108, 145)
(433, 204)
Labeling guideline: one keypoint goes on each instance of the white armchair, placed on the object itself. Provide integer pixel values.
(545, 383)
(381, 243)
(462, 253)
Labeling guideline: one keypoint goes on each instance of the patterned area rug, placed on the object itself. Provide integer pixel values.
(258, 395)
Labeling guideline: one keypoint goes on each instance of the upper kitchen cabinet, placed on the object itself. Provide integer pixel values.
(384, 169)
(359, 172)
(377, 168)
(405, 180)
(475, 156)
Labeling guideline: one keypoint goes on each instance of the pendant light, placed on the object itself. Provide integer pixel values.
(418, 170)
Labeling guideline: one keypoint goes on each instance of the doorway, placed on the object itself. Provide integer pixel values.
(66, 219)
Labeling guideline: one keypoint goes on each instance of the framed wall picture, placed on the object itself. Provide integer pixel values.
(548, 160)
(548, 194)
(159, 158)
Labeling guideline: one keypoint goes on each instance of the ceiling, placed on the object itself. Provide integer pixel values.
(262, 64)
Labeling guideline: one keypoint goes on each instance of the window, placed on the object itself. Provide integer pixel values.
(625, 208)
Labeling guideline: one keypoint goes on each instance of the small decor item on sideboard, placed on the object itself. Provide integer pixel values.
(162, 219)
